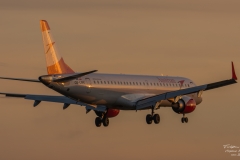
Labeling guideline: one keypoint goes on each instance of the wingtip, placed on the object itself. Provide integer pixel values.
(233, 72)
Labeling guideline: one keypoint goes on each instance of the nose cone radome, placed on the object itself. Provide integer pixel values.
(45, 79)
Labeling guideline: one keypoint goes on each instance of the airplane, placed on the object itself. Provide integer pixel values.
(107, 94)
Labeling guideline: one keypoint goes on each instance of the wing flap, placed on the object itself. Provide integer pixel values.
(57, 99)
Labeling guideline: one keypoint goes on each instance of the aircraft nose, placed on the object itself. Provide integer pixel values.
(45, 79)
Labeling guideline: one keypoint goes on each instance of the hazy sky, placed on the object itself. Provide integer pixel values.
(195, 39)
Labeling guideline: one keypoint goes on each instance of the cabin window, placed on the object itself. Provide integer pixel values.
(140, 83)
(157, 84)
(97, 82)
(127, 83)
(104, 82)
(188, 85)
(94, 82)
(101, 82)
(114, 82)
(133, 83)
(146, 83)
(130, 83)
(108, 82)
(143, 83)
(136, 83)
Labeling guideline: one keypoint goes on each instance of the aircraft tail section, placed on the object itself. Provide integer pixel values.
(55, 63)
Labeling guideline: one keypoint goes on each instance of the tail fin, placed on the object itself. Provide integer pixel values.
(55, 63)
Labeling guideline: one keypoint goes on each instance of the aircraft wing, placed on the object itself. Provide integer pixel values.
(58, 99)
(151, 101)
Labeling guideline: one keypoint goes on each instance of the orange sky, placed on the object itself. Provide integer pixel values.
(197, 40)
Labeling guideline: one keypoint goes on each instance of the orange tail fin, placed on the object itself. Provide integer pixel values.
(55, 63)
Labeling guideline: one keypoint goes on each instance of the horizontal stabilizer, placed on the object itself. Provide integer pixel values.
(20, 79)
(65, 79)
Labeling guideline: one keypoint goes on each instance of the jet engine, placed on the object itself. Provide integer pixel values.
(184, 105)
(110, 113)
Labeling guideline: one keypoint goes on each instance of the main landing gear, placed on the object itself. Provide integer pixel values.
(184, 119)
(152, 117)
(102, 120)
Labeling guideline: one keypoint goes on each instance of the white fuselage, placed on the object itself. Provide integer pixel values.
(118, 90)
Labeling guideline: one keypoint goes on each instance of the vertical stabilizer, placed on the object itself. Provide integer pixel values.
(55, 63)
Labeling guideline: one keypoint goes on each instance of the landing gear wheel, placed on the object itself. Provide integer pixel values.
(186, 119)
(105, 121)
(98, 122)
(149, 119)
(156, 118)
(183, 119)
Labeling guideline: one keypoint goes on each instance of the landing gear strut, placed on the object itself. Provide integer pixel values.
(152, 117)
(102, 119)
(184, 119)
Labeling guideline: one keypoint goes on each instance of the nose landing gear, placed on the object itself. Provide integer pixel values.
(184, 119)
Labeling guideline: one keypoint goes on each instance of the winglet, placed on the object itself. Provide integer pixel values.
(233, 72)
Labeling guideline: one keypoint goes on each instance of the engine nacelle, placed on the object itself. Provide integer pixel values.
(184, 105)
(110, 113)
